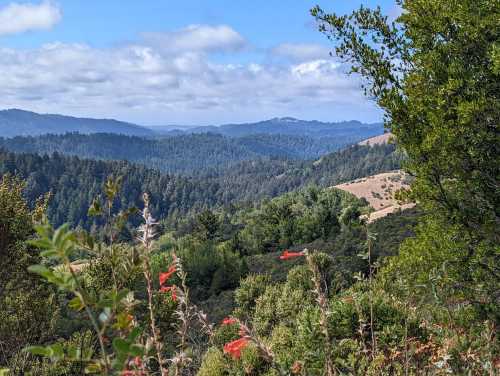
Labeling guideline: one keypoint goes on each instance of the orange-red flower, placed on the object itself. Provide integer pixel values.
(234, 348)
(172, 290)
(131, 373)
(288, 255)
(297, 367)
(138, 361)
(229, 321)
(243, 331)
(164, 277)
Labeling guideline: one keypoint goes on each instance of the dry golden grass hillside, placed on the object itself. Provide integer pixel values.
(377, 140)
(379, 191)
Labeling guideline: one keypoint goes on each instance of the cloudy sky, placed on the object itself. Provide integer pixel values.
(176, 62)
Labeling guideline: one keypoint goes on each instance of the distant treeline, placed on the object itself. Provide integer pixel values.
(74, 182)
(194, 154)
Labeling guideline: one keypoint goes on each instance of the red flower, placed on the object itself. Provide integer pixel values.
(138, 361)
(174, 293)
(229, 321)
(243, 331)
(297, 367)
(234, 348)
(165, 276)
(288, 255)
(131, 373)
(172, 289)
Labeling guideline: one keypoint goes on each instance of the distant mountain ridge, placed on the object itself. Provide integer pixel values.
(14, 122)
(290, 126)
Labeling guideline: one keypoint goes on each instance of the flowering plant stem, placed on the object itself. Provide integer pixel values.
(322, 299)
(369, 238)
(154, 328)
(79, 292)
(146, 240)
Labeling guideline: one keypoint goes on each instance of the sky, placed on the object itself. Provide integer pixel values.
(189, 62)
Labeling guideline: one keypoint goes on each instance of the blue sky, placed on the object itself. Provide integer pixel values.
(176, 62)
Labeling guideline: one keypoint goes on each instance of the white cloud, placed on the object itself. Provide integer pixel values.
(301, 51)
(145, 82)
(18, 18)
(199, 38)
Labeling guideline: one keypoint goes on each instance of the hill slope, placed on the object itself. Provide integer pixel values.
(377, 140)
(347, 131)
(193, 154)
(74, 181)
(16, 122)
(379, 191)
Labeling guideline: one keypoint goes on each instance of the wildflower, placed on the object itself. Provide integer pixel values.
(229, 321)
(243, 331)
(234, 348)
(164, 277)
(172, 290)
(288, 255)
(131, 373)
(297, 367)
(138, 361)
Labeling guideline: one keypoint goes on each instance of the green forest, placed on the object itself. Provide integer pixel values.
(74, 183)
(194, 154)
(208, 255)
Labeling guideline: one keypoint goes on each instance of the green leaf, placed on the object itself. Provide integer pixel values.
(122, 294)
(41, 270)
(95, 208)
(74, 352)
(43, 243)
(76, 303)
(59, 234)
(134, 333)
(49, 253)
(88, 240)
(120, 345)
(38, 350)
(136, 350)
(57, 351)
(93, 369)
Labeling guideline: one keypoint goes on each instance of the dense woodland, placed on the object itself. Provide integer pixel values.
(263, 268)
(194, 154)
(75, 182)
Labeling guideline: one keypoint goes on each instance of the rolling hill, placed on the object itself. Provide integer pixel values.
(377, 140)
(184, 153)
(346, 131)
(379, 191)
(16, 122)
(74, 181)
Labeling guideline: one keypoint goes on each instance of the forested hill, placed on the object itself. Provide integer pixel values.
(16, 122)
(268, 178)
(185, 154)
(74, 182)
(346, 130)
